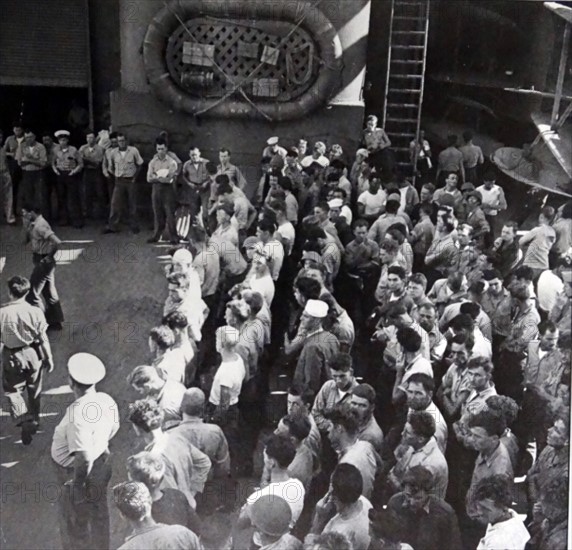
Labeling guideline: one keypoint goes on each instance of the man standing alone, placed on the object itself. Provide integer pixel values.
(25, 352)
(44, 244)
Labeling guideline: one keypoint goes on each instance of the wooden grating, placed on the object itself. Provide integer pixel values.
(295, 70)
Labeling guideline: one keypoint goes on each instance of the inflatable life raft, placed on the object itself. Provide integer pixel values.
(243, 58)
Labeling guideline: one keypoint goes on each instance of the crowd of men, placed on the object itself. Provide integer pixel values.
(424, 340)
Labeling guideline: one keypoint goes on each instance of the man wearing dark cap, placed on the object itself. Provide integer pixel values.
(475, 215)
(363, 403)
(25, 352)
(271, 516)
(80, 451)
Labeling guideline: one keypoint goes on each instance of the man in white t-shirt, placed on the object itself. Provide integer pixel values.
(370, 202)
(278, 455)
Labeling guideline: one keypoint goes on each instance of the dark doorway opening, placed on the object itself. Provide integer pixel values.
(45, 109)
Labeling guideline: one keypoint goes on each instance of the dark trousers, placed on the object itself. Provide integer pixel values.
(472, 176)
(32, 190)
(164, 205)
(69, 200)
(22, 374)
(84, 520)
(16, 176)
(124, 197)
(43, 285)
(94, 193)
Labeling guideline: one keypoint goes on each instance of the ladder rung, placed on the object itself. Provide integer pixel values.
(404, 105)
(407, 61)
(406, 76)
(408, 18)
(418, 4)
(401, 134)
(405, 90)
(408, 32)
(402, 120)
(400, 47)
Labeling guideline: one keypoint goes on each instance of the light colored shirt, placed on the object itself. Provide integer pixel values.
(547, 289)
(160, 537)
(170, 398)
(67, 159)
(36, 152)
(363, 456)
(123, 164)
(230, 374)
(373, 204)
(505, 534)
(326, 400)
(40, 233)
(162, 168)
(539, 241)
(22, 324)
(209, 439)
(355, 527)
(92, 156)
(88, 425)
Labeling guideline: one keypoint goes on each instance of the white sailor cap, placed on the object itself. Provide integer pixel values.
(86, 368)
(183, 256)
(62, 133)
(336, 203)
(316, 308)
(273, 140)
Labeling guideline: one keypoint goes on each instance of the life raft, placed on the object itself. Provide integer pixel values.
(314, 87)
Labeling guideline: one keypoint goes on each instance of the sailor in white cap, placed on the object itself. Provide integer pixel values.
(272, 148)
(80, 449)
(319, 346)
(182, 262)
(67, 163)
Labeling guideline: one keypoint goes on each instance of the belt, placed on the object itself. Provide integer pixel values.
(16, 350)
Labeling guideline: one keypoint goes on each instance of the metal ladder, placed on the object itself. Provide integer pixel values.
(405, 82)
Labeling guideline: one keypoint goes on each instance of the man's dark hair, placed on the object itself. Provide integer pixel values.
(340, 362)
(18, 286)
(466, 340)
(471, 309)
(175, 320)
(495, 487)
(420, 478)
(281, 449)
(131, 498)
(344, 417)
(409, 339)
(481, 363)
(163, 336)
(397, 270)
(255, 301)
(29, 207)
(361, 223)
(524, 272)
(451, 140)
(422, 423)
(426, 208)
(490, 421)
(285, 182)
(462, 322)
(298, 425)
(392, 207)
(158, 141)
(396, 234)
(267, 225)
(347, 483)
(546, 326)
(223, 186)
(309, 288)
(146, 414)
(548, 212)
(297, 390)
(424, 379)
